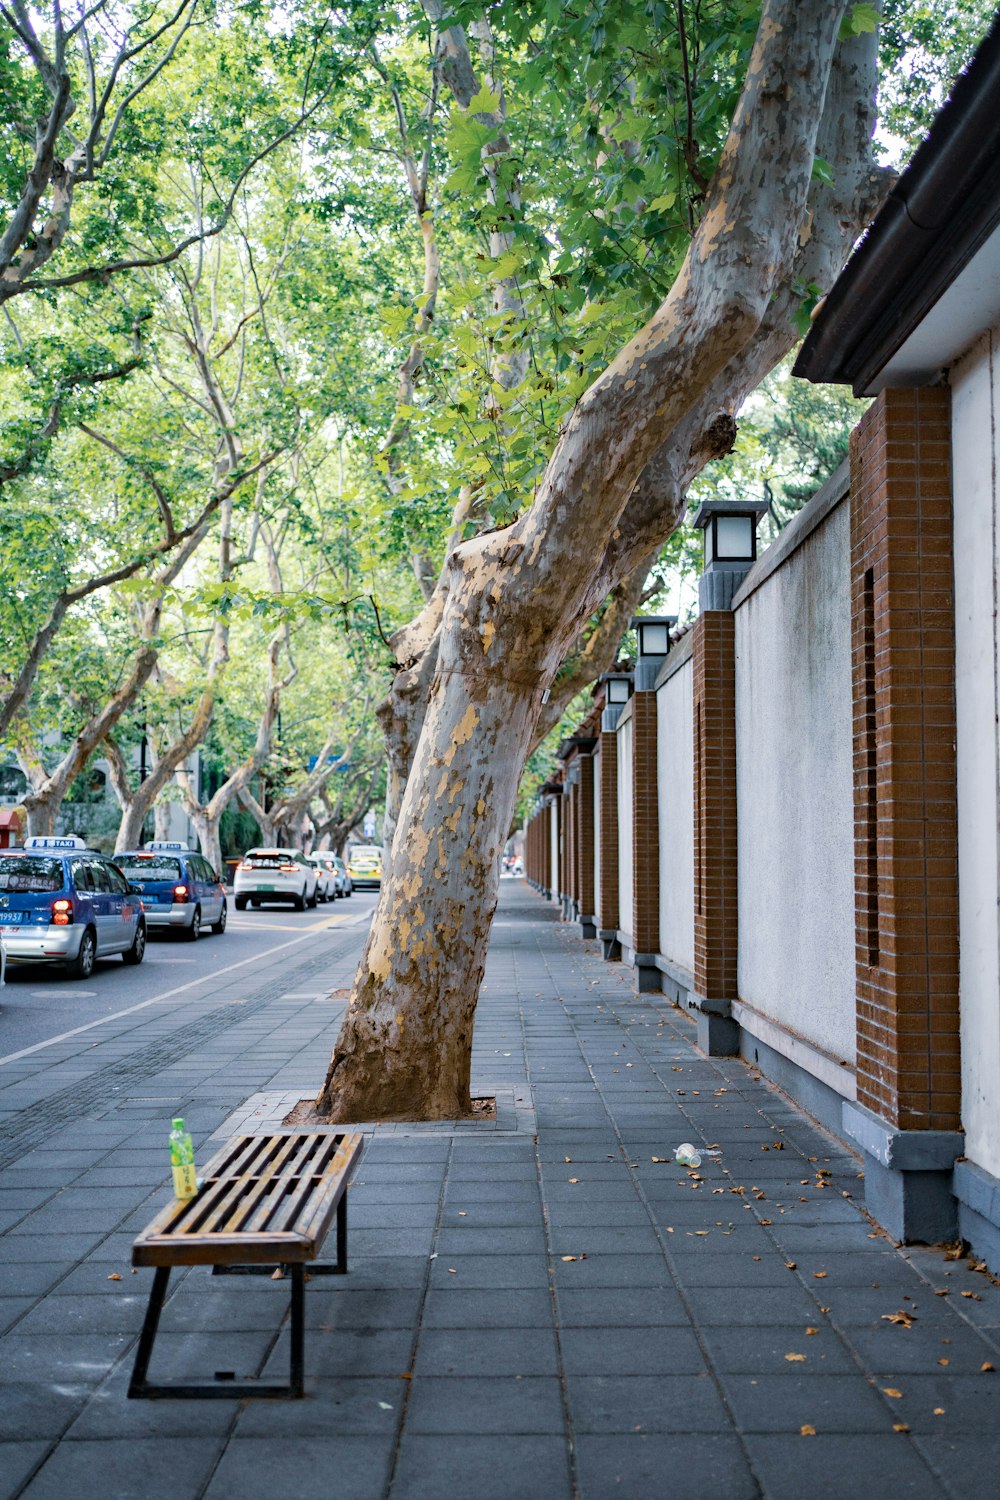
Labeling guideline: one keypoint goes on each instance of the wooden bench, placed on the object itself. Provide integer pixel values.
(266, 1202)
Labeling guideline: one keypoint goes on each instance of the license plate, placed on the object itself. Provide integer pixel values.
(11, 918)
(265, 888)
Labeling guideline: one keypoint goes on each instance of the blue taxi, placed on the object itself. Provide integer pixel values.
(62, 903)
(178, 887)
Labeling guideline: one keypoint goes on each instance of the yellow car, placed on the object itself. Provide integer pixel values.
(364, 865)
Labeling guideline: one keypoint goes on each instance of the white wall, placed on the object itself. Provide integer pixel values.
(975, 386)
(675, 786)
(624, 740)
(795, 793)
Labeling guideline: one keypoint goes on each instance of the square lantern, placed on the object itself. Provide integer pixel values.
(654, 633)
(730, 531)
(617, 688)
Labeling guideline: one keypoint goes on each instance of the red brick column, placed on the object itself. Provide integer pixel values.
(607, 895)
(716, 925)
(645, 843)
(585, 845)
(905, 820)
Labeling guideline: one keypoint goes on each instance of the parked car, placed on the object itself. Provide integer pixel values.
(326, 875)
(345, 886)
(179, 888)
(62, 903)
(364, 865)
(270, 874)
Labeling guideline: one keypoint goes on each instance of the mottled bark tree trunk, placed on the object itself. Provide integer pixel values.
(612, 492)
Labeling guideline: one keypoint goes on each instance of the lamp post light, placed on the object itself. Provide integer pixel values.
(617, 692)
(730, 530)
(653, 632)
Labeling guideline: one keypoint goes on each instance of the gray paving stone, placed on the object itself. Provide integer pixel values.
(118, 1469)
(665, 1350)
(17, 1460)
(486, 1403)
(620, 1307)
(518, 1466)
(841, 1467)
(629, 1403)
(638, 1466)
(496, 1351)
(488, 1308)
(765, 1351)
(830, 1403)
(263, 1468)
(500, 1271)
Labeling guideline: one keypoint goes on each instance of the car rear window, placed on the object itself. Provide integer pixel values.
(28, 872)
(269, 859)
(149, 867)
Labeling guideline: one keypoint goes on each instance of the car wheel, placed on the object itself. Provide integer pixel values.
(299, 901)
(255, 903)
(137, 952)
(240, 903)
(219, 927)
(82, 965)
(193, 933)
(313, 900)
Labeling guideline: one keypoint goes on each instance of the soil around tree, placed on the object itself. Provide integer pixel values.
(305, 1115)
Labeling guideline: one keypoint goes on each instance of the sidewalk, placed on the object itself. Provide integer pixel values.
(538, 1308)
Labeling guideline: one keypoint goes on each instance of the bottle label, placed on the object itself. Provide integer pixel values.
(185, 1181)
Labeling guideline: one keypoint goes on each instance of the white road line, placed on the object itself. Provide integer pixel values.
(179, 990)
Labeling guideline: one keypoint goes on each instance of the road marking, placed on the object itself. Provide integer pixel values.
(179, 989)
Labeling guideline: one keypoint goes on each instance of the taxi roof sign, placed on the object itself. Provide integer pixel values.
(51, 841)
(174, 845)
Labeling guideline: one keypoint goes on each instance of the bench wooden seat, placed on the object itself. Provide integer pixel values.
(265, 1202)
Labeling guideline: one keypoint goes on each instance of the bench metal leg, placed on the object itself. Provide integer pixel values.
(223, 1387)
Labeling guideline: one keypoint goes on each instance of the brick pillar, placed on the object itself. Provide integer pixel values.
(585, 846)
(645, 843)
(905, 819)
(569, 884)
(607, 895)
(716, 927)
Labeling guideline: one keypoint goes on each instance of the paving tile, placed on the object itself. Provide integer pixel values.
(765, 1351)
(486, 1403)
(17, 1461)
(497, 1351)
(830, 1403)
(488, 1308)
(264, 1468)
(841, 1467)
(434, 1465)
(119, 1469)
(675, 1467)
(629, 1403)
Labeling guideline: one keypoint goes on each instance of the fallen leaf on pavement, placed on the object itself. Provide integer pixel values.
(986, 1368)
(796, 1359)
(114, 1276)
(819, 1275)
(902, 1318)
(810, 1331)
(944, 1361)
(900, 1427)
(791, 1265)
(807, 1430)
(890, 1390)
(973, 1296)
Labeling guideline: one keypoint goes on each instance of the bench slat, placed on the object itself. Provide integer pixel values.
(265, 1198)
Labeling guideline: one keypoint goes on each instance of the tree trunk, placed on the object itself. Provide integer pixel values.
(404, 1051)
(517, 598)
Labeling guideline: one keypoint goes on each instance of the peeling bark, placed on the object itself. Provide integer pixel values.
(516, 599)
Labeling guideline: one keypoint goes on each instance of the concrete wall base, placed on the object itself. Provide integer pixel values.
(718, 1035)
(647, 975)
(978, 1195)
(611, 948)
(588, 927)
(908, 1176)
(810, 1093)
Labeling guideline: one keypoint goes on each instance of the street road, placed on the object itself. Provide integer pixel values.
(39, 1002)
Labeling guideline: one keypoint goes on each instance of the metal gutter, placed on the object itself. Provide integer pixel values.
(941, 211)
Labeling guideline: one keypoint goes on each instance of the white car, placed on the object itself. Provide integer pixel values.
(269, 874)
(326, 888)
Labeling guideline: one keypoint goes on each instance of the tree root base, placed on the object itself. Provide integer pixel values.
(305, 1115)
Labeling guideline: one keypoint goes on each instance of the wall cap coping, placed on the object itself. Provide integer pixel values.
(800, 527)
(674, 970)
(901, 1150)
(978, 1190)
(710, 1007)
(679, 654)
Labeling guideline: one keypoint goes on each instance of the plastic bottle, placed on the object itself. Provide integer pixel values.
(182, 1161)
(687, 1156)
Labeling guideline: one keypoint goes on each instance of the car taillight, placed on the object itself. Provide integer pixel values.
(245, 864)
(288, 869)
(181, 893)
(62, 913)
